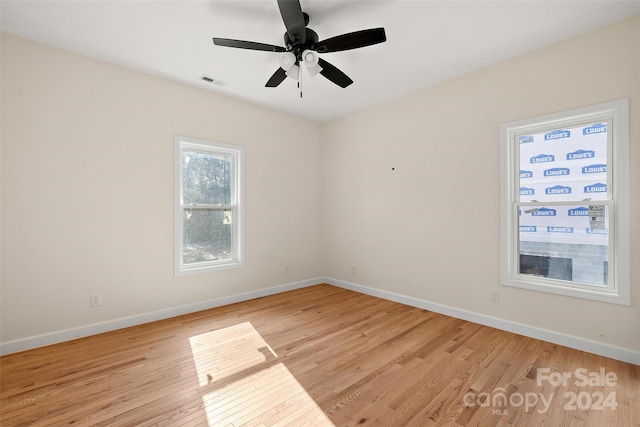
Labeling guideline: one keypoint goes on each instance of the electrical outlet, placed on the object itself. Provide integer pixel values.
(96, 300)
(353, 269)
(495, 296)
(286, 269)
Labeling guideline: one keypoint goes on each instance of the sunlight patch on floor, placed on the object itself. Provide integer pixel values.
(226, 352)
(244, 384)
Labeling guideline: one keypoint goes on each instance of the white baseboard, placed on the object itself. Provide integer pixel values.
(613, 352)
(606, 350)
(112, 325)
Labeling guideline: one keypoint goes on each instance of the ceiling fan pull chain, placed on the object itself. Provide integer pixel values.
(300, 79)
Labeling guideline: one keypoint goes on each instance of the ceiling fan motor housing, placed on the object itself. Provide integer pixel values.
(298, 48)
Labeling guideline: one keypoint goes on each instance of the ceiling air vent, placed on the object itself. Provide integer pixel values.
(214, 81)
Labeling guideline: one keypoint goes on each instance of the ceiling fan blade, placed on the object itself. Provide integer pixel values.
(351, 40)
(277, 78)
(293, 18)
(334, 74)
(241, 44)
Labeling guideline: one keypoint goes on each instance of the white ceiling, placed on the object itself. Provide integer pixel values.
(427, 41)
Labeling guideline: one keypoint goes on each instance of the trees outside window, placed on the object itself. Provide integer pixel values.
(209, 220)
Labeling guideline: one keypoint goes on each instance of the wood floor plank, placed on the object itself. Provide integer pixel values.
(321, 356)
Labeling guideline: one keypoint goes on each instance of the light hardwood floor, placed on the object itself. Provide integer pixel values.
(320, 356)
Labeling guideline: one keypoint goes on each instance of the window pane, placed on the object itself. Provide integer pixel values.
(206, 178)
(564, 164)
(568, 242)
(207, 235)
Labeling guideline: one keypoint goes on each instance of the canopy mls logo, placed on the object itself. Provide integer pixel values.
(557, 172)
(544, 212)
(528, 228)
(597, 128)
(525, 139)
(599, 168)
(524, 191)
(581, 154)
(581, 211)
(559, 229)
(586, 399)
(557, 134)
(596, 188)
(542, 158)
(526, 174)
(558, 189)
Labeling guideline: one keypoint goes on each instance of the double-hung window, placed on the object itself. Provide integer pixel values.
(565, 203)
(208, 206)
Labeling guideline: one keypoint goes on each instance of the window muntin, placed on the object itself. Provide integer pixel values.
(565, 203)
(208, 206)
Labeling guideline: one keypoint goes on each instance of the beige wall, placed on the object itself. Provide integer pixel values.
(87, 188)
(430, 229)
(87, 191)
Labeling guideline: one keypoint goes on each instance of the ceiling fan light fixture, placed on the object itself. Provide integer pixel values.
(287, 60)
(313, 71)
(310, 58)
(293, 72)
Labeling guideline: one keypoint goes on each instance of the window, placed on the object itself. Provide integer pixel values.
(565, 203)
(208, 213)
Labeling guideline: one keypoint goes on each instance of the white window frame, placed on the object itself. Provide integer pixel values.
(236, 206)
(616, 114)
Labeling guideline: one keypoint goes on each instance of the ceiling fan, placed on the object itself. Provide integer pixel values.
(302, 46)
